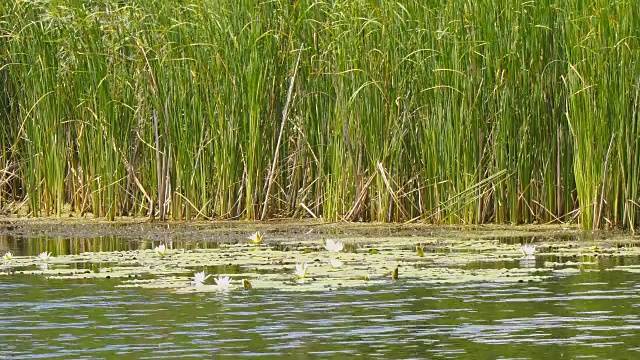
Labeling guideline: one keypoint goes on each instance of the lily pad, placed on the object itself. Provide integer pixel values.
(443, 258)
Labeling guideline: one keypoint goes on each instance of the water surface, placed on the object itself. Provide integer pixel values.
(587, 315)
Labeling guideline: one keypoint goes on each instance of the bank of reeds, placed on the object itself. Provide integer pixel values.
(447, 112)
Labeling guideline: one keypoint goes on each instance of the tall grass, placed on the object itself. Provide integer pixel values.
(445, 112)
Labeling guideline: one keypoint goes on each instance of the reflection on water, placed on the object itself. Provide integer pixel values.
(20, 246)
(528, 262)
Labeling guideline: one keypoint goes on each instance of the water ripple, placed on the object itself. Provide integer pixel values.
(579, 318)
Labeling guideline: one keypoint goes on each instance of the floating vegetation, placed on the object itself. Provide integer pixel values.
(528, 251)
(369, 261)
(333, 246)
(160, 250)
(199, 278)
(246, 284)
(335, 263)
(256, 238)
(44, 256)
(223, 282)
(301, 271)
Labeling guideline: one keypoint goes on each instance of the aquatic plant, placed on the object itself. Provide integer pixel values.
(160, 250)
(335, 263)
(446, 264)
(8, 256)
(246, 284)
(256, 238)
(333, 246)
(528, 251)
(420, 250)
(300, 271)
(44, 256)
(199, 278)
(224, 283)
(487, 112)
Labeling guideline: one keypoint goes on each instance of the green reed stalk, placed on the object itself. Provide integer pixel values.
(458, 112)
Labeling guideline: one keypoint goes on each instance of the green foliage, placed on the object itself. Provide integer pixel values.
(447, 112)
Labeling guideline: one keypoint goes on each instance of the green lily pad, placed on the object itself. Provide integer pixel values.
(420, 259)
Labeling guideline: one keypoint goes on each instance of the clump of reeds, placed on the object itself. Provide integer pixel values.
(454, 112)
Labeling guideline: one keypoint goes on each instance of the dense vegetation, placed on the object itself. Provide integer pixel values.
(439, 111)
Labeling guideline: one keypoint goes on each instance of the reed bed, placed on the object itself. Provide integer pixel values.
(456, 112)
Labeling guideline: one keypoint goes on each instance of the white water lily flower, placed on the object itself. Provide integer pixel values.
(256, 238)
(160, 250)
(335, 263)
(301, 271)
(199, 278)
(44, 256)
(223, 283)
(8, 256)
(528, 251)
(333, 246)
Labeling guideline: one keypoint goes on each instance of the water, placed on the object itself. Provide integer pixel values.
(592, 315)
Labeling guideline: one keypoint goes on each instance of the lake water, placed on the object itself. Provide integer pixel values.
(589, 315)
